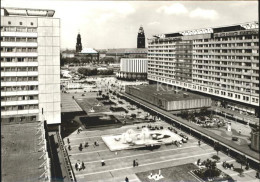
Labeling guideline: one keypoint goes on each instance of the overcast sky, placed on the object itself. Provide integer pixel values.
(114, 24)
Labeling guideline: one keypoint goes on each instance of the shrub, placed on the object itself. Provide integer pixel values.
(239, 170)
(215, 157)
(210, 173)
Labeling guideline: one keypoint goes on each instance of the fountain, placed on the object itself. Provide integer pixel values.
(92, 110)
(136, 139)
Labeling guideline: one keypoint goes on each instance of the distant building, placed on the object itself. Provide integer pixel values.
(78, 44)
(68, 54)
(88, 53)
(141, 38)
(117, 54)
(102, 53)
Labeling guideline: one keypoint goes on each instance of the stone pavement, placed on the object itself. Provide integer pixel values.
(119, 165)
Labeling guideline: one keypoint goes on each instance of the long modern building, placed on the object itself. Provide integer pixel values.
(221, 62)
(30, 66)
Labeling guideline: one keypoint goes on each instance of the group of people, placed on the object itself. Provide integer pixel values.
(79, 166)
(86, 145)
(135, 163)
(79, 130)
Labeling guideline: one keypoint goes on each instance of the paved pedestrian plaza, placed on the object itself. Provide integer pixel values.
(119, 164)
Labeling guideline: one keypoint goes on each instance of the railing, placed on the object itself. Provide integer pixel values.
(67, 160)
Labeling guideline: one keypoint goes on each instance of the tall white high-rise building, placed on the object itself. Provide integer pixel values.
(30, 66)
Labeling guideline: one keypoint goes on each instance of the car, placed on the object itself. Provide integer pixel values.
(184, 136)
(234, 138)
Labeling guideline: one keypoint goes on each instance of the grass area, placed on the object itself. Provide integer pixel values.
(93, 121)
(171, 174)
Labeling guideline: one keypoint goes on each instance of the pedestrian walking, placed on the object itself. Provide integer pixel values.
(86, 144)
(136, 163)
(102, 162)
(69, 147)
(83, 165)
(76, 166)
(126, 179)
(68, 140)
(133, 163)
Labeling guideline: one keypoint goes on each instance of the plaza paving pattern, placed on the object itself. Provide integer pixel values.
(170, 174)
(120, 165)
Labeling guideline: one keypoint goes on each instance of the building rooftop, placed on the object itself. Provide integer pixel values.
(12, 11)
(21, 159)
(69, 51)
(167, 93)
(236, 27)
(128, 51)
(88, 51)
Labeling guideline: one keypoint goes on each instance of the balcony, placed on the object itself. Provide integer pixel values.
(27, 73)
(17, 83)
(22, 102)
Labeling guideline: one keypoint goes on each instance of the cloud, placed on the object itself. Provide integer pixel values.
(104, 17)
(204, 13)
(175, 8)
(109, 10)
(154, 23)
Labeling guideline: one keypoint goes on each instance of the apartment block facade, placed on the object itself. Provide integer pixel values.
(221, 62)
(30, 66)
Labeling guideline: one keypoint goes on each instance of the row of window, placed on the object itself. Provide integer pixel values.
(18, 29)
(207, 63)
(235, 58)
(20, 98)
(19, 88)
(18, 39)
(19, 69)
(18, 49)
(19, 59)
(218, 39)
(19, 119)
(233, 51)
(227, 45)
(21, 107)
(19, 79)
(223, 93)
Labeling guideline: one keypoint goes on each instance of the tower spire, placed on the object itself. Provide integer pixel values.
(141, 38)
(78, 44)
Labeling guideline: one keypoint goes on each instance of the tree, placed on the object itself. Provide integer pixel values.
(217, 147)
(239, 170)
(242, 160)
(215, 157)
(107, 60)
(184, 114)
(203, 111)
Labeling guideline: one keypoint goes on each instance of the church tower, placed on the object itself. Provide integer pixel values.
(141, 38)
(78, 44)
